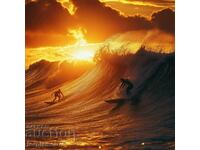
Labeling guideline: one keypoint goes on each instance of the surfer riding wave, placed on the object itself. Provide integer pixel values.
(58, 94)
(128, 84)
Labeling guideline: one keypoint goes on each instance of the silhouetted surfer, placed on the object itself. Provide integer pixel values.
(58, 94)
(128, 84)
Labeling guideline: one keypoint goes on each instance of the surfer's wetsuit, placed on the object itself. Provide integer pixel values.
(128, 84)
(58, 94)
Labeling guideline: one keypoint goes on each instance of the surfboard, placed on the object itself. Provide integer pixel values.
(51, 103)
(117, 100)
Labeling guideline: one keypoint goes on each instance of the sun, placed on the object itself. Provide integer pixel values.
(83, 55)
(82, 49)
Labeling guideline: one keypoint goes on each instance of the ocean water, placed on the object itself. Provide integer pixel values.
(83, 120)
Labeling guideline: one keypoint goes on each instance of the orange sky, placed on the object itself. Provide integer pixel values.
(129, 7)
(59, 29)
(48, 22)
(142, 7)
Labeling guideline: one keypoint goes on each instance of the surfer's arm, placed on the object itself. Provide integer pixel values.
(121, 85)
(62, 94)
(52, 94)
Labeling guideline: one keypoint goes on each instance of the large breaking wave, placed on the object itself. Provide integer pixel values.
(144, 122)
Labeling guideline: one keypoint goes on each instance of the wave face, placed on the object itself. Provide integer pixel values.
(146, 121)
(46, 75)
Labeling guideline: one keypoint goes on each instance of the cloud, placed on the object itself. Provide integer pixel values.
(47, 16)
(152, 3)
(101, 21)
(164, 20)
(48, 22)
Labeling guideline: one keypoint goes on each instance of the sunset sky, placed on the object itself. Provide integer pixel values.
(60, 23)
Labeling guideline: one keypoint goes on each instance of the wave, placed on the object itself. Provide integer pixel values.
(45, 74)
(147, 118)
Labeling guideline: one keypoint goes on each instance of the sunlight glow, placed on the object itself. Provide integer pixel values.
(135, 2)
(81, 52)
(83, 55)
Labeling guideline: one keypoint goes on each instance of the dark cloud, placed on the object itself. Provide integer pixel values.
(164, 20)
(47, 22)
(102, 21)
(47, 16)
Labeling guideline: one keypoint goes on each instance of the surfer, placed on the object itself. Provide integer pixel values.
(128, 84)
(58, 94)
